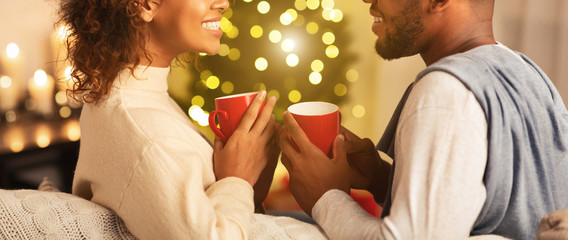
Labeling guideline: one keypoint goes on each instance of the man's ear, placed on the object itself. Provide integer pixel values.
(148, 9)
(438, 5)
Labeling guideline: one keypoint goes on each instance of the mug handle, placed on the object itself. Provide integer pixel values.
(213, 124)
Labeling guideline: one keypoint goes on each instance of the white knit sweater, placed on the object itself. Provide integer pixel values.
(141, 157)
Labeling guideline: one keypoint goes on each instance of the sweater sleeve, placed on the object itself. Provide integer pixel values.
(441, 152)
(166, 198)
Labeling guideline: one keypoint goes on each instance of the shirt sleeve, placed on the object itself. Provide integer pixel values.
(441, 153)
(166, 198)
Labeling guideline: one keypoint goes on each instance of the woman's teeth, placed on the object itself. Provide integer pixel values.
(379, 19)
(211, 25)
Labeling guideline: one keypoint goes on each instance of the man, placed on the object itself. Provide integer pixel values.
(479, 141)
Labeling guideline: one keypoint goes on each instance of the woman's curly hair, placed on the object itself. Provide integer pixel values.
(105, 36)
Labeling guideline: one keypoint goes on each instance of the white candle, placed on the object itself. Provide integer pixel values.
(8, 94)
(12, 64)
(59, 50)
(41, 92)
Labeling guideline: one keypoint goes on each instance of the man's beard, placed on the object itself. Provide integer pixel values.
(399, 44)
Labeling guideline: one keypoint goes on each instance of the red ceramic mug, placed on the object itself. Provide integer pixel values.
(230, 111)
(320, 121)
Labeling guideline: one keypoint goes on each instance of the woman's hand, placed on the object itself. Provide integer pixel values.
(312, 173)
(247, 151)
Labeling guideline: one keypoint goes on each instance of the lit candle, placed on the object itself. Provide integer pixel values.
(41, 92)
(62, 65)
(43, 136)
(12, 65)
(15, 138)
(8, 94)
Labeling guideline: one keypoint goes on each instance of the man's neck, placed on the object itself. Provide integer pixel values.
(458, 41)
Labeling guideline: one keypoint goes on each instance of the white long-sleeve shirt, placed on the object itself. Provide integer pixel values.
(441, 153)
(141, 157)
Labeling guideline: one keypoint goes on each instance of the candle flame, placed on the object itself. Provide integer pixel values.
(43, 136)
(73, 130)
(40, 78)
(12, 50)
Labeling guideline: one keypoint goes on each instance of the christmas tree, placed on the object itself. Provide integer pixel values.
(295, 50)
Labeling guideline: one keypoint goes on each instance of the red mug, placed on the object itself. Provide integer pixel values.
(320, 121)
(230, 111)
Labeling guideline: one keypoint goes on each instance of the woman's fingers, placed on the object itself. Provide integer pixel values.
(263, 119)
(250, 115)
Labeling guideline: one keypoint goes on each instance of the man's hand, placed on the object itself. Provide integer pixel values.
(368, 170)
(312, 173)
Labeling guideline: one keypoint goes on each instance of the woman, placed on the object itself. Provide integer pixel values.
(140, 156)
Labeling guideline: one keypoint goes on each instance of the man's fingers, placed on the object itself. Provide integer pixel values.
(339, 153)
(286, 145)
(286, 162)
(349, 136)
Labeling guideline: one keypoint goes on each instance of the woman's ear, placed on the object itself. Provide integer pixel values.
(148, 9)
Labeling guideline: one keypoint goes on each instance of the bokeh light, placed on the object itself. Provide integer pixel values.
(292, 60)
(223, 50)
(312, 4)
(312, 28)
(352, 75)
(61, 98)
(226, 25)
(65, 112)
(234, 54)
(274, 93)
(340, 89)
(227, 87)
(228, 13)
(294, 96)
(317, 65)
(332, 51)
(275, 36)
(233, 32)
(286, 18)
(315, 78)
(256, 31)
(12, 50)
(261, 64)
(5, 82)
(263, 7)
(358, 111)
(212, 82)
(198, 101)
(327, 4)
(288, 45)
(337, 15)
(259, 86)
(300, 5)
(328, 38)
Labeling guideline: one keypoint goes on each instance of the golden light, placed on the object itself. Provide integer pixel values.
(205, 74)
(299, 21)
(352, 75)
(63, 32)
(332, 51)
(226, 25)
(286, 18)
(40, 77)
(256, 31)
(259, 86)
(294, 96)
(233, 32)
(247, 0)
(328, 14)
(224, 50)
(312, 28)
(65, 112)
(15, 137)
(273, 92)
(263, 7)
(228, 13)
(337, 15)
(5, 82)
(234, 54)
(61, 97)
(73, 130)
(292, 13)
(327, 4)
(317, 65)
(12, 50)
(198, 115)
(227, 87)
(288, 45)
(312, 4)
(202, 54)
(43, 136)
(261, 64)
(315, 78)
(300, 5)
(198, 101)
(358, 111)
(292, 60)
(212, 82)
(328, 38)
(340, 89)
(275, 36)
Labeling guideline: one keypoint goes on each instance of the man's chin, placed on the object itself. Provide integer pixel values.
(390, 53)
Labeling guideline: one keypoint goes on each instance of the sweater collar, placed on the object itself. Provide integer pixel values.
(144, 78)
